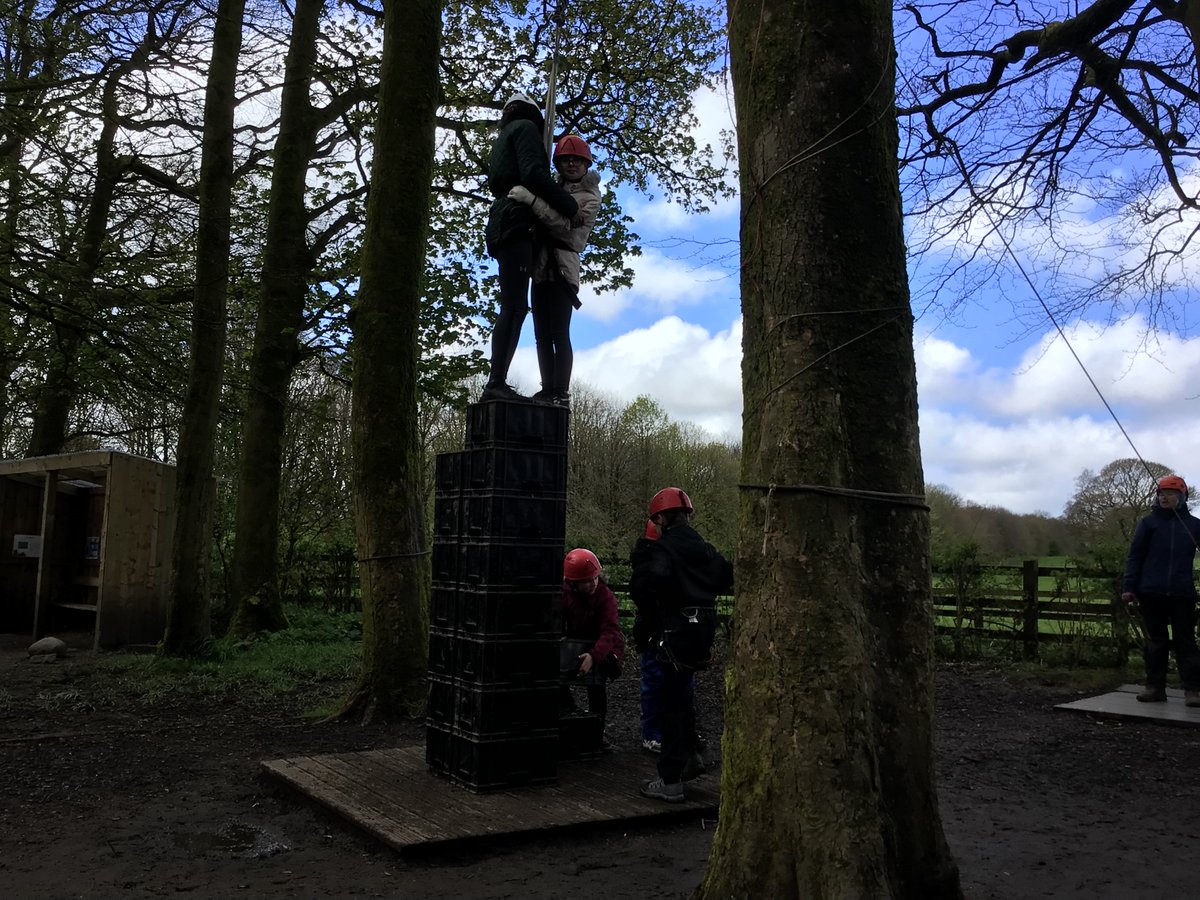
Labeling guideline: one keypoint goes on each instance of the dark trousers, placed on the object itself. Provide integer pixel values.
(678, 723)
(552, 305)
(515, 264)
(1179, 615)
(652, 674)
(597, 695)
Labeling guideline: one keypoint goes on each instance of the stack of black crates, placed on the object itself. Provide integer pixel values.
(500, 510)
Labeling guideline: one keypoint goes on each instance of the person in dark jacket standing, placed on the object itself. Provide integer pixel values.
(518, 158)
(675, 584)
(1159, 582)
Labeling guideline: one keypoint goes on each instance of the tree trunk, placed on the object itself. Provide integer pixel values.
(828, 787)
(287, 264)
(188, 624)
(389, 500)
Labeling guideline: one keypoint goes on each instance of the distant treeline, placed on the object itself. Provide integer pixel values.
(999, 533)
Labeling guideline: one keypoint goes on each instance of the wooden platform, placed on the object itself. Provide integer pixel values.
(1123, 703)
(393, 796)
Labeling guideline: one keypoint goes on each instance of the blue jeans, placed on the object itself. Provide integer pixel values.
(652, 705)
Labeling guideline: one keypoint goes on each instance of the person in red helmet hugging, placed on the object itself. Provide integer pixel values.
(556, 266)
(518, 157)
(1160, 583)
(590, 618)
(675, 584)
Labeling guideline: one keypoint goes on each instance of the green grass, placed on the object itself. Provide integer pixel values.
(313, 657)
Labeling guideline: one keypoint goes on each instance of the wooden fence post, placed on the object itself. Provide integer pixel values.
(1029, 617)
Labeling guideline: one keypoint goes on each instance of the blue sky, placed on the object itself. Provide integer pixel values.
(1007, 416)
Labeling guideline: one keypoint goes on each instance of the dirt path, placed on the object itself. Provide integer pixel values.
(103, 797)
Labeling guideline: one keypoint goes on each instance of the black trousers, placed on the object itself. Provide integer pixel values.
(678, 723)
(1179, 615)
(597, 695)
(553, 302)
(515, 264)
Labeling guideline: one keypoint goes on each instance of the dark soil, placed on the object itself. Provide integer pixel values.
(107, 795)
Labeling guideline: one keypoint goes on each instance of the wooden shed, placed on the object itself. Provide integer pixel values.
(85, 544)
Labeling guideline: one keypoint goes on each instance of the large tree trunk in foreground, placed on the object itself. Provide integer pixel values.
(287, 265)
(389, 497)
(828, 786)
(188, 615)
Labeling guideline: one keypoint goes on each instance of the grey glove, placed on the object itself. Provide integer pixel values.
(522, 195)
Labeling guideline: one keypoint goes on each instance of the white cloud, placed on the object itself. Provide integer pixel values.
(660, 284)
(714, 112)
(694, 374)
(1012, 438)
(1019, 438)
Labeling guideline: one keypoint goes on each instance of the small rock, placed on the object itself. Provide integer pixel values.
(48, 646)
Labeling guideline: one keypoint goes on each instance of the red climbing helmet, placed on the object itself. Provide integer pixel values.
(1173, 483)
(651, 531)
(581, 565)
(572, 145)
(669, 498)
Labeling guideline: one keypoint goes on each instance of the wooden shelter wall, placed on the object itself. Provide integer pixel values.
(20, 513)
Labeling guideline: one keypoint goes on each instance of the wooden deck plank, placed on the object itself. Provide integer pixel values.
(391, 794)
(353, 796)
(1122, 703)
(348, 805)
(399, 780)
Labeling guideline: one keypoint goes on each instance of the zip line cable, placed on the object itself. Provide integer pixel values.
(1057, 327)
(1046, 308)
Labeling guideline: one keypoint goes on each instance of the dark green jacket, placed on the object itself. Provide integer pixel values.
(518, 157)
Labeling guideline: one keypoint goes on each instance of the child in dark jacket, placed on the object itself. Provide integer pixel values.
(590, 618)
(1160, 583)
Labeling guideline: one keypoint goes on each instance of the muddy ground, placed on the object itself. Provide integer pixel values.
(104, 795)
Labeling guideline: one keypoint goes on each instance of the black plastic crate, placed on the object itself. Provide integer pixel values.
(443, 652)
(512, 516)
(447, 516)
(443, 606)
(484, 710)
(506, 661)
(442, 704)
(484, 764)
(448, 472)
(445, 559)
(515, 469)
(441, 745)
(569, 651)
(580, 736)
(524, 565)
(507, 612)
(524, 424)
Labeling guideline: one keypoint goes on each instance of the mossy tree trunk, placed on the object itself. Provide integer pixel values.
(828, 786)
(389, 500)
(188, 625)
(287, 266)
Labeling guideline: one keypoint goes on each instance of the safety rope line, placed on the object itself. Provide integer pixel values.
(559, 19)
(425, 552)
(913, 500)
(1054, 321)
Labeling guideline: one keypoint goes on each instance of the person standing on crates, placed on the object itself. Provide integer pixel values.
(675, 586)
(556, 265)
(590, 621)
(1159, 582)
(518, 158)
